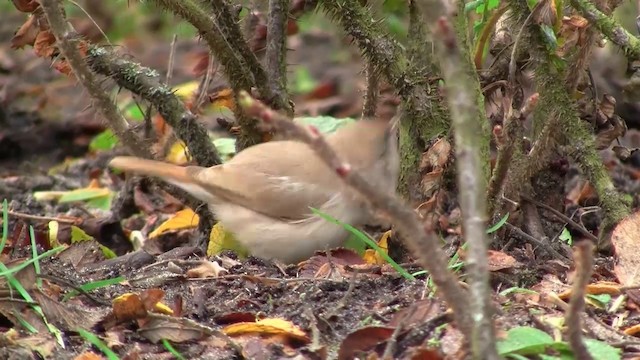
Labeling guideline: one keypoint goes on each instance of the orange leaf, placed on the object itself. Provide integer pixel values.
(269, 326)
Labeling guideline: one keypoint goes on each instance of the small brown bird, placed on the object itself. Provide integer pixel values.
(263, 195)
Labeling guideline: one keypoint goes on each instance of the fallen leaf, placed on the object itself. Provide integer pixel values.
(183, 219)
(268, 326)
(363, 340)
(624, 239)
(372, 256)
(206, 269)
(500, 261)
(220, 239)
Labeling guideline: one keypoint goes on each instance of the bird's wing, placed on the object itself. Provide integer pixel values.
(280, 179)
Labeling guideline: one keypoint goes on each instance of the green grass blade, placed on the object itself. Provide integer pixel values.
(97, 342)
(94, 285)
(172, 350)
(34, 252)
(363, 237)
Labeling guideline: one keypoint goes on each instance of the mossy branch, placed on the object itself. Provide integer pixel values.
(609, 27)
(557, 109)
(276, 55)
(146, 82)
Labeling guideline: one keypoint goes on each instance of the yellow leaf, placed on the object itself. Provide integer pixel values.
(220, 239)
(187, 90)
(178, 153)
(371, 256)
(183, 219)
(272, 326)
(163, 308)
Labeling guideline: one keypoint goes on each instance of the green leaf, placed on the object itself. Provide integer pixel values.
(133, 112)
(106, 140)
(303, 82)
(88, 287)
(524, 340)
(602, 350)
(565, 236)
(78, 235)
(102, 202)
(549, 36)
(226, 147)
(325, 124)
(602, 298)
(83, 194)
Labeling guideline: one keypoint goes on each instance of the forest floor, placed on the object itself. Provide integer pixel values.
(325, 308)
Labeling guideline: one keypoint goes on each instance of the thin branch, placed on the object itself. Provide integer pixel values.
(467, 132)
(541, 243)
(276, 55)
(562, 217)
(424, 243)
(584, 266)
(68, 43)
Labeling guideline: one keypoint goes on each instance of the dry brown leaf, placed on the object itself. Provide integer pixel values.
(206, 269)
(437, 156)
(500, 261)
(26, 6)
(44, 45)
(624, 240)
(88, 355)
(26, 34)
(363, 340)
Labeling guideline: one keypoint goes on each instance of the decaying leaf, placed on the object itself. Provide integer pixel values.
(206, 269)
(268, 326)
(363, 340)
(624, 240)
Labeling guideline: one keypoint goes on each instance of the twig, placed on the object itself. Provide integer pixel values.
(508, 140)
(343, 301)
(393, 339)
(170, 64)
(584, 266)
(41, 218)
(545, 246)
(424, 243)
(562, 217)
